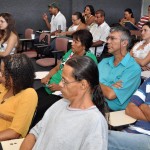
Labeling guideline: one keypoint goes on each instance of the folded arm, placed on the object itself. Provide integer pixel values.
(143, 62)
(135, 112)
(146, 111)
(109, 92)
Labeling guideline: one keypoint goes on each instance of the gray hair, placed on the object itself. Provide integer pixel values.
(126, 35)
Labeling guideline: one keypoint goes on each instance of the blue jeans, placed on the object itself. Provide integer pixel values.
(128, 141)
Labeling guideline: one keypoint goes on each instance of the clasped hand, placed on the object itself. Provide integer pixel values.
(118, 84)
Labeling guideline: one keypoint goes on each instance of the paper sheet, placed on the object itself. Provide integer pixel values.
(119, 118)
(12, 144)
(40, 74)
(57, 93)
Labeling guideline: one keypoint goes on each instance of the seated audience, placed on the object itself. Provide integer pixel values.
(141, 50)
(8, 35)
(144, 19)
(82, 41)
(76, 121)
(58, 20)
(99, 32)
(78, 24)
(89, 14)
(136, 136)
(128, 16)
(18, 100)
(119, 74)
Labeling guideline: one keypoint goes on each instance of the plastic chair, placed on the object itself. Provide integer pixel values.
(27, 38)
(61, 45)
(28, 33)
(44, 42)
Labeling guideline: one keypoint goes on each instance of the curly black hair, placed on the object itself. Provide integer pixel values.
(91, 9)
(20, 70)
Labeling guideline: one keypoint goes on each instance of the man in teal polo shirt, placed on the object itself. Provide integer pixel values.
(119, 74)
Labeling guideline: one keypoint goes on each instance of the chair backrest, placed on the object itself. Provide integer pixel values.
(45, 37)
(61, 44)
(28, 33)
(136, 33)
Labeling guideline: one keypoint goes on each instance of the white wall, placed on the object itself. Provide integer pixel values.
(145, 4)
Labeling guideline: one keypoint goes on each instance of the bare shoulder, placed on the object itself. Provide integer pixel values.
(82, 26)
(92, 17)
(13, 36)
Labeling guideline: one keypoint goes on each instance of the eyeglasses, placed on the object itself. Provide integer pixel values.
(64, 82)
(111, 38)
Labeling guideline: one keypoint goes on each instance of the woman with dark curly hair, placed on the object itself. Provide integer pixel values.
(8, 36)
(89, 15)
(18, 99)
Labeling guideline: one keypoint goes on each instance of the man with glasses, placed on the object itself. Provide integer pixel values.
(100, 31)
(119, 74)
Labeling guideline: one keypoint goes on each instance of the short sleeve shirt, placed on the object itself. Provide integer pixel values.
(58, 20)
(127, 71)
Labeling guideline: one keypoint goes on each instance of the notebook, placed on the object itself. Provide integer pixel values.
(130, 26)
(40, 74)
(12, 144)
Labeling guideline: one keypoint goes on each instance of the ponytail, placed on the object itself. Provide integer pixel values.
(99, 100)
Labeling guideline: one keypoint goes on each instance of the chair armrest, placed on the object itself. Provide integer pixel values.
(57, 52)
(42, 46)
(38, 44)
(56, 55)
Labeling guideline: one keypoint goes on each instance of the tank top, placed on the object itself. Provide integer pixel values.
(73, 28)
(3, 48)
(141, 53)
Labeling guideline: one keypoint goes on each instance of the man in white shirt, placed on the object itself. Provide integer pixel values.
(100, 32)
(58, 20)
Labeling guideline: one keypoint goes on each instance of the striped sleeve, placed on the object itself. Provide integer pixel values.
(139, 97)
